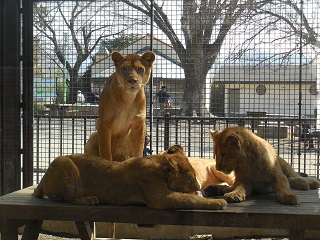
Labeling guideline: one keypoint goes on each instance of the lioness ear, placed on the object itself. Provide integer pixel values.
(117, 57)
(175, 149)
(214, 134)
(233, 141)
(149, 57)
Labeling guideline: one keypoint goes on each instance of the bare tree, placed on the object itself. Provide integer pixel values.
(293, 25)
(205, 25)
(74, 32)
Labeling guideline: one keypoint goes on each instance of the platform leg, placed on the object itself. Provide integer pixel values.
(10, 235)
(296, 234)
(84, 230)
(32, 230)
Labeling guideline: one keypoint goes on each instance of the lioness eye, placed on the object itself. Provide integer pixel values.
(124, 69)
(140, 70)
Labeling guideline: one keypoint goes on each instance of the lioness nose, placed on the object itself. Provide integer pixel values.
(132, 81)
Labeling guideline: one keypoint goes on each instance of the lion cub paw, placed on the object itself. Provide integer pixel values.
(86, 200)
(218, 204)
(235, 196)
(288, 199)
(313, 183)
(299, 183)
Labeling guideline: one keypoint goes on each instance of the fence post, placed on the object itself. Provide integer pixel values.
(166, 130)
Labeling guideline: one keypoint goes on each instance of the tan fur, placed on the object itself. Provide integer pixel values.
(207, 174)
(122, 108)
(205, 169)
(162, 181)
(257, 167)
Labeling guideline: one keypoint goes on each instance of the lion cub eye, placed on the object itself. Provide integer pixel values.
(223, 154)
(140, 70)
(124, 69)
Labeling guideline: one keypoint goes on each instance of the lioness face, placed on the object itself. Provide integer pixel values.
(226, 150)
(181, 176)
(133, 70)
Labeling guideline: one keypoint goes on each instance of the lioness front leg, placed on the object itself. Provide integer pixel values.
(104, 140)
(280, 185)
(137, 135)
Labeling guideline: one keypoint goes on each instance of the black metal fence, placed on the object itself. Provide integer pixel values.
(249, 63)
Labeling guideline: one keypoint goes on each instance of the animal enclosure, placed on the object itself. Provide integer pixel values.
(232, 63)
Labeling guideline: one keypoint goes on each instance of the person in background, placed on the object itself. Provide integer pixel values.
(164, 99)
(80, 97)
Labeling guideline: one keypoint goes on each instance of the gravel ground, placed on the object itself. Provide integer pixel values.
(50, 237)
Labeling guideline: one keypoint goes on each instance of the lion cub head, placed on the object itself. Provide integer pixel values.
(227, 150)
(180, 175)
(133, 71)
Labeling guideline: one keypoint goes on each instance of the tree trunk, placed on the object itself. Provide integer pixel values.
(193, 102)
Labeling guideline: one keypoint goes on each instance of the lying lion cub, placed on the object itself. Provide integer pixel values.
(121, 127)
(162, 181)
(207, 174)
(257, 167)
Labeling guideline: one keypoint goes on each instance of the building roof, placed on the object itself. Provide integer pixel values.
(236, 73)
(167, 64)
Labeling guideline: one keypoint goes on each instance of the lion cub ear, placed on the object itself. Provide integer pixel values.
(170, 165)
(117, 57)
(214, 134)
(149, 57)
(233, 141)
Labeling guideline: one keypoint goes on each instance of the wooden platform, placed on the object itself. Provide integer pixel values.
(20, 208)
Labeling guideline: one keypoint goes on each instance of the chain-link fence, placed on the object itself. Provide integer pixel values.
(223, 63)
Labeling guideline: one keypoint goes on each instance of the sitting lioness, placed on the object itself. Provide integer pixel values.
(162, 181)
(121, 126)
(256, 166)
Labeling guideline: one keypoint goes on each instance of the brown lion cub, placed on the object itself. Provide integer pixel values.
(162, 181)
(257, 167)
(121, 127)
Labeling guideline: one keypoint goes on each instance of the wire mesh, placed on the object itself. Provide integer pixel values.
(223, 64)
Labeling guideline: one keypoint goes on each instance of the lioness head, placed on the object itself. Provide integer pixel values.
(180, 175)
(226, 149)
(133, 70)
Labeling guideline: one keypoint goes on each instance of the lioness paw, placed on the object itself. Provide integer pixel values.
(234, 197)
(288, 199)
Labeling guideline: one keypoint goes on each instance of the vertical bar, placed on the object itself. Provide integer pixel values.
(189, 137)
(10, 91)
(151, 83)
(38, 145)
(201, 138)
(166, 130)
(84, 130)
(61, 134)
(27, 96)
(73, 133)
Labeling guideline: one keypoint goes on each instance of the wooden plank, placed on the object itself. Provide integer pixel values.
(257, 212)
